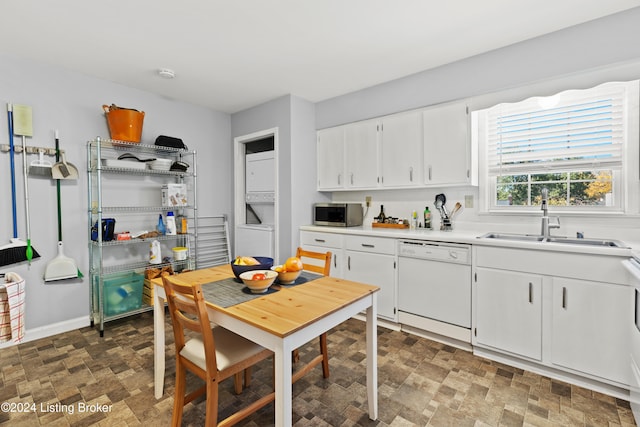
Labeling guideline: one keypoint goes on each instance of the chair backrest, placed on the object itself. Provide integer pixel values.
(322, 266)
(188, 311)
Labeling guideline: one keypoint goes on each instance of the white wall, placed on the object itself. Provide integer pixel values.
(73, 103)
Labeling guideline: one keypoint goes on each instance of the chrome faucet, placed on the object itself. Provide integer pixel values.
(546, 225)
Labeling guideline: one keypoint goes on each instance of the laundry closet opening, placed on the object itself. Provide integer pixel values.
(255, 194)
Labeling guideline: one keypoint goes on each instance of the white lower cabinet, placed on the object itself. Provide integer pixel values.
(323, 242)
(509, 312)
(562, 311)
(372, 260)
(588, 331)
(378, 270)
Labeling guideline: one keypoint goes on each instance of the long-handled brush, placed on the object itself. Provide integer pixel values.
(16, 250)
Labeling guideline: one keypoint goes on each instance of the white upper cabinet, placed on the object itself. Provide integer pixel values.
(449, 158)
(361, 148)
(331, 165)
(401, 150)
(420, 148)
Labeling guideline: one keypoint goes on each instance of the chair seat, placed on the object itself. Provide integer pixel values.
(231, 348)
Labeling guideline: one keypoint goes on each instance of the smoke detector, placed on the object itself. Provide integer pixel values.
(166, 73)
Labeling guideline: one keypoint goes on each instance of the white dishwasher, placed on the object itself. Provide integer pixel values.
(434, 281)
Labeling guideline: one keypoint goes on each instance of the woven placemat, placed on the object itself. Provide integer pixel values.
(232, 291)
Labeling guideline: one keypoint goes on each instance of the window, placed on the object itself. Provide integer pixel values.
(572, 143)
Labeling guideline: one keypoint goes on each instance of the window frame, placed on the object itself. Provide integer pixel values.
(626, 180)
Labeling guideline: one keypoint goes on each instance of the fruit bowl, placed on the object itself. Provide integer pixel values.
(286, 277)
(264, 263)
(259, 286)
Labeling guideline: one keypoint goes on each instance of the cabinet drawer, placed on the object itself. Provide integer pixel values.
(328, 240)
(379, 245)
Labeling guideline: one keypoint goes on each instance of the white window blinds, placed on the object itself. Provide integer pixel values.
(573, 130)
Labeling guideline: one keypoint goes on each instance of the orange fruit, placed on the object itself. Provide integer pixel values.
(293, 264)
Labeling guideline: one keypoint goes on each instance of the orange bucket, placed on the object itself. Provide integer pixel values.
(124, 124)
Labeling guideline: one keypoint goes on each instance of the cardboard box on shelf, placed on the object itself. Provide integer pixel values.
(174, 195)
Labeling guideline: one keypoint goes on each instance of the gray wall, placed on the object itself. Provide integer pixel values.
(73, 103)
(578, 57)
(295, 119)
(591, 45)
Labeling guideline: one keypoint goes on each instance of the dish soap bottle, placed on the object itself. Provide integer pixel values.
(160, 227)
(171, 224)
(427, 218)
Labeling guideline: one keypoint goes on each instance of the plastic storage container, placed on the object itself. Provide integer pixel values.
(124, 124)
(122, 292)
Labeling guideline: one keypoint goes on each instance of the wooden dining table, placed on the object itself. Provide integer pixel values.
(281, 321)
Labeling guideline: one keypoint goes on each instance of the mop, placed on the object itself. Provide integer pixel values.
(61, 267)
(16, 250)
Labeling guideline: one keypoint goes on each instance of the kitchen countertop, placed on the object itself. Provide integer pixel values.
(471, 237)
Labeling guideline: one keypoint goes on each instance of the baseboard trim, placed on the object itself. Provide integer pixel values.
(50, 330)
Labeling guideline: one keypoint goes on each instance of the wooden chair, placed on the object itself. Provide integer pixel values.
(214, 355)
(322, 265)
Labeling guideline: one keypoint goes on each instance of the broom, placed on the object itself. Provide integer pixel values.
(61, 267)
(16, 251)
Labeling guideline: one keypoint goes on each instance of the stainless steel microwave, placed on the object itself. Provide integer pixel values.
(337, 214)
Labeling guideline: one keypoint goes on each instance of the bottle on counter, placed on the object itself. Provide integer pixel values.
(381, 217)
(171, 224)
(414, 220)
(160, 228)
(427, 218)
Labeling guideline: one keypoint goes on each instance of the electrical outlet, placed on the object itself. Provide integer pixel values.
(367, 199)
(468, 201)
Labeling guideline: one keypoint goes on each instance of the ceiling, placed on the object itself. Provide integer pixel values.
(232, 55)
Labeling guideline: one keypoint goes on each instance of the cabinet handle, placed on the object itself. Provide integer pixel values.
(351, 179)
(319, 240)
(530, 293)
(339, 178)
(411, 174)
(335, 261)
(564, 298)
(349, 262)
(429, 173)
(367, 245)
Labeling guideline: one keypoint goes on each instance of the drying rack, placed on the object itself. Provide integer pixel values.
(213, 241)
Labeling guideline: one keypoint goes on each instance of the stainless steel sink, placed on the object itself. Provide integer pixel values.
(564, 240)
(516, 237)
(588, 242)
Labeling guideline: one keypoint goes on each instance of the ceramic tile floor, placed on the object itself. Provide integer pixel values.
(54, 381)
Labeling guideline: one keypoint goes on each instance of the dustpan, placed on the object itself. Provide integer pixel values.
(61, 267)
(63, 169)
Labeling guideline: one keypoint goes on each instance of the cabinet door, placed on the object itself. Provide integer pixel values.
(509, 312)
(401, 150)
(447, 145)
(361, 146)
(330, 151)
(337, 259)
(377, 270)
(590, 328)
